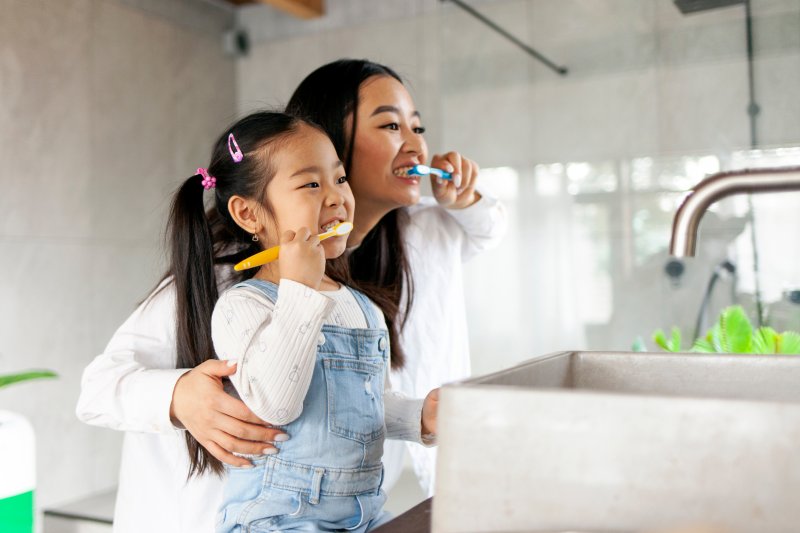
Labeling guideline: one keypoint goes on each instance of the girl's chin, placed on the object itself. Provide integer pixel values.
(334, 249)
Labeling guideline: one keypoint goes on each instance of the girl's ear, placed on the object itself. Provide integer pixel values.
(244, 213)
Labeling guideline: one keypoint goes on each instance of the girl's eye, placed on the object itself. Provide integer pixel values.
(419, 130)
(312, 185)
(343, 179)
(394, 126)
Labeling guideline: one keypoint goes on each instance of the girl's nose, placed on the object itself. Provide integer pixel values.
(334, 197)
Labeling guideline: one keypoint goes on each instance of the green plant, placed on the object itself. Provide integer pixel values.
(733, 333)
(8, 379)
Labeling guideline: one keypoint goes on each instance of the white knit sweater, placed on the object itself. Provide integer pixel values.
(275, 346)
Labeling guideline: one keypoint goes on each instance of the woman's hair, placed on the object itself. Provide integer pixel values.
(379, 267)
(199, 240)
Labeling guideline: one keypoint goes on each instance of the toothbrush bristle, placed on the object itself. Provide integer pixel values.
(419, 170)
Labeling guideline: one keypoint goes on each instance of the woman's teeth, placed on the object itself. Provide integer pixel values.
(402, 172)
(329, 226)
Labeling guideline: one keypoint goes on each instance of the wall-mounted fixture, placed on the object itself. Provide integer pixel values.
(493, 25)
(717, 187)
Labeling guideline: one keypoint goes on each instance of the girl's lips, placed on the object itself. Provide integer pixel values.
(330, 223)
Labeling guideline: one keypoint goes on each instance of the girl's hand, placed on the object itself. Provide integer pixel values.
(430, 410)
(302, 258)
(220, 423)
(459, 192)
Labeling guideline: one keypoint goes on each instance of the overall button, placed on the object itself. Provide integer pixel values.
(382, 343)
(321, 339)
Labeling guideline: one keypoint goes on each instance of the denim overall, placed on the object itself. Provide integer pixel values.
(328, 475)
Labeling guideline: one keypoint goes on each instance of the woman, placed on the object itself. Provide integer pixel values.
(407, 250)
(404, 259)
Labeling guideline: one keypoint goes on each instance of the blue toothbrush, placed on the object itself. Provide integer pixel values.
(424, 170)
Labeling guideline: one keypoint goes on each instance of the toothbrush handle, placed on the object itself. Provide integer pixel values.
(441, 173)
(261, 258)
(271, 254)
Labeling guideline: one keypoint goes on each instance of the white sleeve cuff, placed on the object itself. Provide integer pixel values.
(404, 418)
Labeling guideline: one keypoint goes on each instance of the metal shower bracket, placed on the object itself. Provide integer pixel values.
(530, 51)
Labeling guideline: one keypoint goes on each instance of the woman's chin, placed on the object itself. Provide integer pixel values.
(409, 196)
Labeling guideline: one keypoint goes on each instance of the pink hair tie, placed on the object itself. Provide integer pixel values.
(236, 153)
(209, 181)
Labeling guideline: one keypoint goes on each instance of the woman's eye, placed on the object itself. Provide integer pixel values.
(343, 179)
(419, 130)
(312, 185)
(393, 126)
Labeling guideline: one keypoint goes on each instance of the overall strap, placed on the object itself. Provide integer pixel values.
(269, 289)
(367, 307)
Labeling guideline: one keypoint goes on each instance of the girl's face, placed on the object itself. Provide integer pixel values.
(309, 189)
(388, 140)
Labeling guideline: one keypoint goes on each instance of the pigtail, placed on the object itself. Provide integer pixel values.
(192, 267)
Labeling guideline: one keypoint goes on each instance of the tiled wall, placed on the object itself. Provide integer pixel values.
(104, 109)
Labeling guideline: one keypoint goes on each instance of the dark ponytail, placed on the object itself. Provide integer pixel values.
(200, 240)
(192, 269)
(379, 267)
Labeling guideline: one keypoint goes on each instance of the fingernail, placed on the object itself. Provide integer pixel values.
(281, 437)
(457, 180)
(270, 451)
(439, 181)
(231, 362)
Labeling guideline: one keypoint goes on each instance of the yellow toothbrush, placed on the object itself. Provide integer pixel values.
(271, 254)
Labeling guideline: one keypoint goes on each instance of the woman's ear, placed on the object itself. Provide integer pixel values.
(244, 213)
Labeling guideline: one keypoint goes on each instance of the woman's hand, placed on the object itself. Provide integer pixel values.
(430, 408)
(459, 192)
(302, 258)
(220, 423)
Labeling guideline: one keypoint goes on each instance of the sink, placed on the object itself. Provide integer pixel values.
(615, 441)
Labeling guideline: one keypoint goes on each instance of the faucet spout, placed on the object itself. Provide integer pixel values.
(718, 186)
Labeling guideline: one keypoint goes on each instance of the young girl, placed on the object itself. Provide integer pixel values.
(312, 355)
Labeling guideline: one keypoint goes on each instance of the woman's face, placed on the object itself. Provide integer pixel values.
(388, 140)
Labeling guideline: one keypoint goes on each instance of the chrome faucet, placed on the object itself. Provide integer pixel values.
(718, 186)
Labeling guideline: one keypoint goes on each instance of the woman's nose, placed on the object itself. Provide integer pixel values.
(413, 143)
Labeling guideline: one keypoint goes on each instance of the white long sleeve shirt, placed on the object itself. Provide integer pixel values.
(129, 386)
(436, 338)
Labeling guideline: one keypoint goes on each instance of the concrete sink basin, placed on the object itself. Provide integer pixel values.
(602, 441)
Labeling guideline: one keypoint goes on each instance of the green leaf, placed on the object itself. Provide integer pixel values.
(765, 340)
(703, 346)
(8, 379)
(789, 343)
(661, 339)
(676, 340)
(736, 332)
(638, 345)
(716, 338)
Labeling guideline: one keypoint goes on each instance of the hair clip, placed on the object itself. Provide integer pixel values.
(209, 181)
(237, 153)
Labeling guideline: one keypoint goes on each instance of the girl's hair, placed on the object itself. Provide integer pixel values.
(199, 240)
(379, 266)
